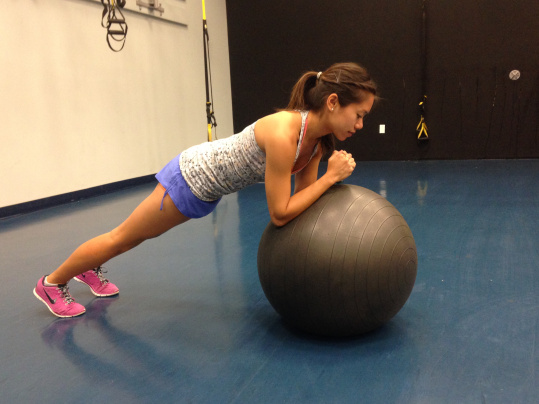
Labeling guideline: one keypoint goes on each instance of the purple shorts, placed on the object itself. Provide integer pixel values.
(171, 178)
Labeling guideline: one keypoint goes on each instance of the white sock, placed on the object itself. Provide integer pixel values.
(49, 284)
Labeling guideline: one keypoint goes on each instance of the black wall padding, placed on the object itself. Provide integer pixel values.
(473, 110)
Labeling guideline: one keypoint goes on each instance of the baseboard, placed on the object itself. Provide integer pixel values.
(75, 196)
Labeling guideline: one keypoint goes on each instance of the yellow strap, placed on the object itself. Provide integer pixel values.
(209, 132)
(423, 125)
(203, 10)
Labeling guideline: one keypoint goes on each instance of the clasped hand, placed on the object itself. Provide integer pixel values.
(341, 165)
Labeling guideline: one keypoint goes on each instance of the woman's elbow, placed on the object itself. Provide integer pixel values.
(279, 220)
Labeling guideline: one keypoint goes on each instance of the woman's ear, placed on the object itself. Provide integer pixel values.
(332, 101)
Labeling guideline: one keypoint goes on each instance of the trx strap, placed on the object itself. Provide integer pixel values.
(422, 126)
(207, 74)
(114, 23)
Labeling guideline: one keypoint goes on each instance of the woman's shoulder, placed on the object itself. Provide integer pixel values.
(281, 129)
(283, 120)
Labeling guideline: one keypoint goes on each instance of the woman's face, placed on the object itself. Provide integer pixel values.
(346, 121)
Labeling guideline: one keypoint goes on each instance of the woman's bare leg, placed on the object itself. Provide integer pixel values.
(146, 221)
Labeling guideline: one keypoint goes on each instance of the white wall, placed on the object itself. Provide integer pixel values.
(74, 114)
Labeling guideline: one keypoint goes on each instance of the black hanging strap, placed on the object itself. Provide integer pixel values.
(207, 73)
(423, 135)
(113, 20)
(422, 126)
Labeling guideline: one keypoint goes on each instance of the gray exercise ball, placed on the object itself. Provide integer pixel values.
(343, 267)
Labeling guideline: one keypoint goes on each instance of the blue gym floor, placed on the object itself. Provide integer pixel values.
(192, 325)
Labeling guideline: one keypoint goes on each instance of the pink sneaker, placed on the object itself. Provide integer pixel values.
(58, 299)
(99, 285)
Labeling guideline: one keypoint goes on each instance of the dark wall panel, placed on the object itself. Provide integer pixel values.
(473, 110)
(272, 43)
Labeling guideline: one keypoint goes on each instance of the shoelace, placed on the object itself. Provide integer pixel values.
(99, 272)
(64, 290)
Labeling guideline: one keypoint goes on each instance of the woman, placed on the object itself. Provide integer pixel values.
(322, 105)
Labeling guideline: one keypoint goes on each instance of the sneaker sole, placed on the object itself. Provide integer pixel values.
(95, 293)
(50, 309)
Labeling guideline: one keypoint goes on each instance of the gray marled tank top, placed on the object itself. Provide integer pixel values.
(224, 166)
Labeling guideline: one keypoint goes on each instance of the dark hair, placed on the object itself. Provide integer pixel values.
(349, 81)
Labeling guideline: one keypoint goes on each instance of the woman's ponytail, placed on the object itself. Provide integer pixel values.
(298, 98)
